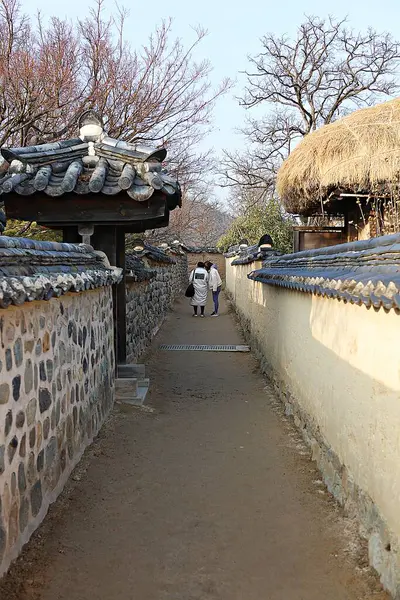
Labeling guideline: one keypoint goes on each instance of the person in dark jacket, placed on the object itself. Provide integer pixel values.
(265, 242)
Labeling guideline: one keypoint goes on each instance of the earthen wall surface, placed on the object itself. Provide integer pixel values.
(336, 368)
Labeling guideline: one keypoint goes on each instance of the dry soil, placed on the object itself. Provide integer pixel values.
(210, 497)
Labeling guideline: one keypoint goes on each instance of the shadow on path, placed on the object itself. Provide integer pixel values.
(211, 496)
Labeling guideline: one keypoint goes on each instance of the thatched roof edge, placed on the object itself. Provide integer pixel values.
(359, 153)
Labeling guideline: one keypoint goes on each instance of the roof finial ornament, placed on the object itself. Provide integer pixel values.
(90, 126)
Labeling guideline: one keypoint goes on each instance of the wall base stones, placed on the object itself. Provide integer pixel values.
(383, 544)
(57, 387)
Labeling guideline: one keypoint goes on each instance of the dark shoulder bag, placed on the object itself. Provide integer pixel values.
(190, 288)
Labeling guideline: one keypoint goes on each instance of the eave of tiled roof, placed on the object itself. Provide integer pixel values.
(251, 254)
(363, 273)
(32, 270)
(89, 164)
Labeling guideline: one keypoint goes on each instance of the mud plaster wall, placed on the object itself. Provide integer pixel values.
(56, 389)
(336, 367)
(218, 259)
(148, 302)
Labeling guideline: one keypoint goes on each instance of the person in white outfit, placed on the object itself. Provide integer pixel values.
(215, 283)
(199, 277)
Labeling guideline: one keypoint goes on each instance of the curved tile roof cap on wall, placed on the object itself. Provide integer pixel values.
(32, 270)
(366, 272)
(200, 249)
(91, 163)
(153, 253)
(250, 254)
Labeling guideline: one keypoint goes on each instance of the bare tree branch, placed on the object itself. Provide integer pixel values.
(324, 73)
(50, 73)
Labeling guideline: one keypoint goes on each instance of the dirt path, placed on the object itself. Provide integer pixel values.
(211, 497)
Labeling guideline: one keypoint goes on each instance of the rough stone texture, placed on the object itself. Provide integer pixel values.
(49, 367)
(2, 464)
(4, 393)
(148, 301)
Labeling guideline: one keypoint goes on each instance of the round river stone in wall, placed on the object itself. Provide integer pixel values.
(10, 333)
(23, 514)
(40, 461)
(8, 422)
(8, 359)
(18, 352)
(16, 386)
(22, 446)
(36, 498)
(2, 465)
(46, 342)
(12, 448)
(4, 393)
(38, 349)
(28, 377)
(20, 419)
(29, 344)
(46, 428)
(49, 369)
(21, 478)
(31, 472)
(44, 399)
(31, 411)
(32, 437)
(42, 371)
(51, 450)
(13, 484)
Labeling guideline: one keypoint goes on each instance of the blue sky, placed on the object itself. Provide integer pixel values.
(234, 29)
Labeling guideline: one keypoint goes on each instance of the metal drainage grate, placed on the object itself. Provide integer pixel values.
(206, 348)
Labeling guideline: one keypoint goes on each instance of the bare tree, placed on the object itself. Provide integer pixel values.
(50, 73)
(307, 82)
(200, 222)
(158, 94)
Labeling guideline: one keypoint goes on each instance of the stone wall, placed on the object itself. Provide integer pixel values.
(148, 300)
(56, 374)
(57, 364)
(335, 366)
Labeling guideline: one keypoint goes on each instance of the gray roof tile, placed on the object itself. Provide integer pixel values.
(32, 270)
(366, 272)
(93, 163)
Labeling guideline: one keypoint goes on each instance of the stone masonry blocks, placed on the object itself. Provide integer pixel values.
(148, 302)
(57, 389)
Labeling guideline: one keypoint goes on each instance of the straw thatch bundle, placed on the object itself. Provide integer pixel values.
(357, 154)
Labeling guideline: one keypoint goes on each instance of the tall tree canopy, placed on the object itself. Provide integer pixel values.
(258, 219)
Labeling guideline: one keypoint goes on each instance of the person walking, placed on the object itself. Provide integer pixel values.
(215, 283)
(199, 278)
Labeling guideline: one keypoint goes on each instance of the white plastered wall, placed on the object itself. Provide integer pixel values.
(342, 364)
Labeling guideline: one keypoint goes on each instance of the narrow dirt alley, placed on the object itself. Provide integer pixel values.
(210, 497)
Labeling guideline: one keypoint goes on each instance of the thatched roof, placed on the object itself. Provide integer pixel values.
(356, 154)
